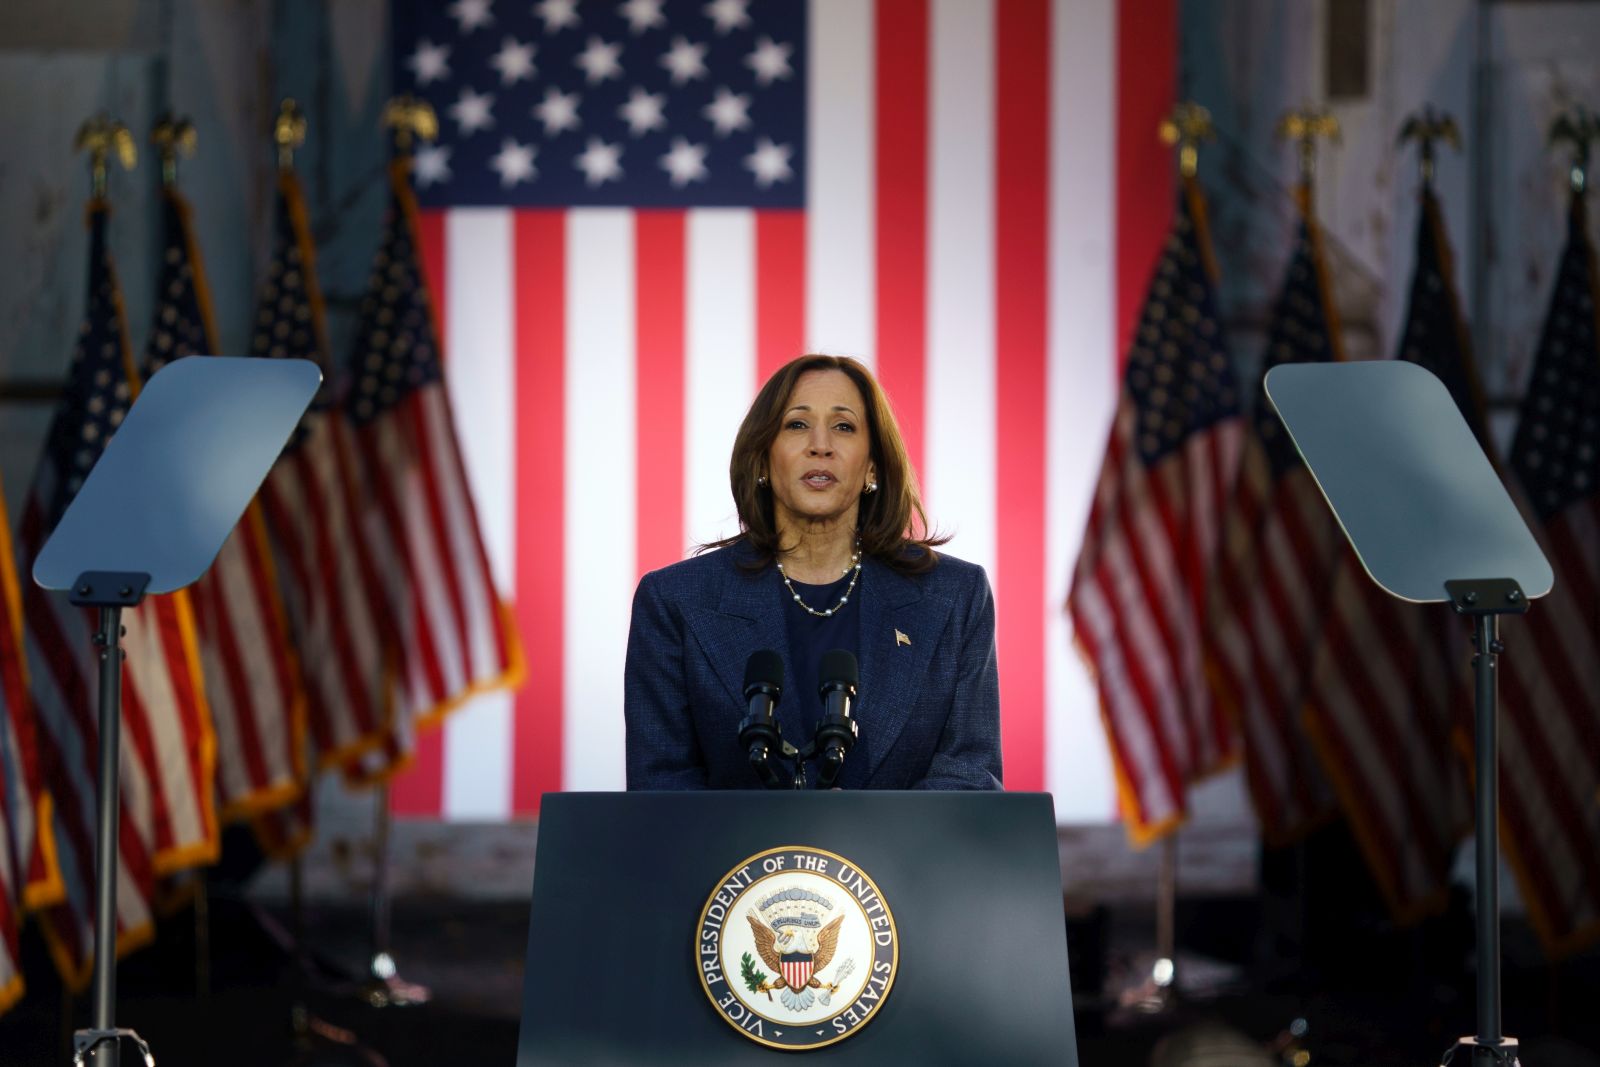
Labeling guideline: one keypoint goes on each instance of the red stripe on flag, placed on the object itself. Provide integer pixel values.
(541, 340)
(780, 290)
(431, 248)
(1147, 73)
(211, 607)
(444, 565)
(901, 113)
(659, 394)
(1022, 174)
(419, 789)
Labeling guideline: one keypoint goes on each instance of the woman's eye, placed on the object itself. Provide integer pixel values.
(796, 424)
(845, 427)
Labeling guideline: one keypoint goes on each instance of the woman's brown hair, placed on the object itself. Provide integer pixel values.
(892, 525)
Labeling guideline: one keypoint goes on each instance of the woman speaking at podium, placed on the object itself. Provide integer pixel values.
(833, 552)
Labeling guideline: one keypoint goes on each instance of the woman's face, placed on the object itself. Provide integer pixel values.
(822, 457)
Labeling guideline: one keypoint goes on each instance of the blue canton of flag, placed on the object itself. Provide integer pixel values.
(1300, 334)
(1179, 374)
(97, 393)
(395, 347)
(645, 103)
(180, 327)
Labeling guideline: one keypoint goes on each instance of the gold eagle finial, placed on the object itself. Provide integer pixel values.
(1428, 127)
(1579, 127)
(288, 132)
(1304, 127)
(410, 118)
(173, 135)
(1186, 127)
(102, 137)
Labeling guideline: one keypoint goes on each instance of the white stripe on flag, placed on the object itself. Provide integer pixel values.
(961, 331)
(599, 479)
(840, 235)
(1083, 386)
(148, 673)
(719, 360)
(481, 365)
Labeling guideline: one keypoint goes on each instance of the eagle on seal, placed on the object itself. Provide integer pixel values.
(797, 956)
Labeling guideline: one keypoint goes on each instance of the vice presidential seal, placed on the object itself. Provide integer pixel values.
(796, 948)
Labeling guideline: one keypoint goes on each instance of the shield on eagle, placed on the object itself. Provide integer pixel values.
(796, 969)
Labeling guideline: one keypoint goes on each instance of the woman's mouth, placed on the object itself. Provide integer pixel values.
(818, 479)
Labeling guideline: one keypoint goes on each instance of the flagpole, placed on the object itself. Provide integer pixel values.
(408, 120)
(1184, 129)
(171, 137)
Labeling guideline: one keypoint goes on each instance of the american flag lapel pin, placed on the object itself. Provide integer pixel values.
(901, 639)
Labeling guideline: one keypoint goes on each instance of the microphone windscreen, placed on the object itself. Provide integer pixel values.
(838, 666)
(764, 667)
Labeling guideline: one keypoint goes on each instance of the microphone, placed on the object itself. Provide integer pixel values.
(837, 730)
(758, 733)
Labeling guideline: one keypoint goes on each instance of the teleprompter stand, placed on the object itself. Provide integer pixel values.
(1430, 521)
(150, 518)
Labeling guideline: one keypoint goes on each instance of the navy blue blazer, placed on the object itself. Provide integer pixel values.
(929, 710)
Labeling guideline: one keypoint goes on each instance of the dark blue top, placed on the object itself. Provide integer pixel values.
(929, 693)
(809, 637)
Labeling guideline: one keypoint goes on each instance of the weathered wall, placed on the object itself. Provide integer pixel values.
(1503, 195)
(223, 63)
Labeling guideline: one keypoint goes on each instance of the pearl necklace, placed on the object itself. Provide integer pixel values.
(854, 570)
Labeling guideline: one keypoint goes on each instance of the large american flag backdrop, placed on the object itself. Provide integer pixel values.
(635, 212)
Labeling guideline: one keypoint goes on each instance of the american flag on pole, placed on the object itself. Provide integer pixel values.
(1550, 674)
(168, 750)
(24, 807)
(252, 682)
(636, 212)
(1138, 593)
(1280, 546)
(344, 637)
(456, 636)
(1389, 679)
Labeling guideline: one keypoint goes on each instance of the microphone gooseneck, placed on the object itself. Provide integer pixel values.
(759, 734)
(839, 675)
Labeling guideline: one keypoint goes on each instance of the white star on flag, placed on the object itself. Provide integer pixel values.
(473, 111)
(600, 161)
(558, 111)
(769, 162)
(686, 61)
(770, 61)
(514, 61)
(514, 162)
(557, 14)
(599, 61)
(471, 14)
(430, 164)
(430, 61)
(686, 162)
(728, 14)
(644, 111)
(643, 15)
(728, 111)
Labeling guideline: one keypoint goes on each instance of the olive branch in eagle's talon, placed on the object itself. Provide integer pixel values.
(754, 980)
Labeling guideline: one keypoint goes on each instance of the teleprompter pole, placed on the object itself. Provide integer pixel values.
(109, 593)
(109, 641)
(1485, 600)
(1487, 842)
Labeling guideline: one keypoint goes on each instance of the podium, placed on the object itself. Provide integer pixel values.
(736, 927)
